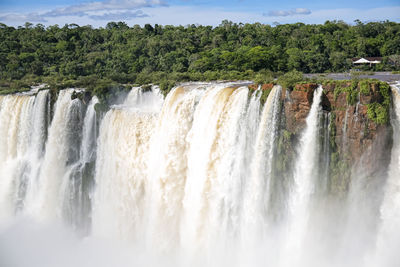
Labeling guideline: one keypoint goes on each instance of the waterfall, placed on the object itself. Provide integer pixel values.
(145, 100)
(304, 179)
(344, 131)
(14, 144)
(252, 124)
(40, 122)
(121, 176)
(324, 157)
(89, 136)
(23, 125)
(168, 166)
(258, 191)
(195, 178)
(213, 185)
(78, 180)
(388, 240)
(62, 150)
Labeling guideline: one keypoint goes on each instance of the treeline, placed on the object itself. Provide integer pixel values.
(166, 54)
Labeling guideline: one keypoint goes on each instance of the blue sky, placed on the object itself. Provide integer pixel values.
(183, 12)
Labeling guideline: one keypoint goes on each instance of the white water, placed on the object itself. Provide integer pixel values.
(181, 181)
(258, 189)
(388, 243)
(77, 186)
(89, 136)
(61, 150)
(122, 168)
(14, 143)
(304, 177)
(210, 202)
(168, 166)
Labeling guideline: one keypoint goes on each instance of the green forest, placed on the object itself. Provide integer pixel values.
(98, 58)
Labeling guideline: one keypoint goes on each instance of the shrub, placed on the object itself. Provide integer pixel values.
(289, 79)
(364, 87)
(378, 113)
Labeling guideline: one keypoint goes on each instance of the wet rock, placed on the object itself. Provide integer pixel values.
(265, 86)
(354, 133)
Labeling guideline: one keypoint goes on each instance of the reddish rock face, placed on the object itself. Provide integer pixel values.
(351, 142)
(355, 133)
(297, 106)
(265, 86)
(306, 87)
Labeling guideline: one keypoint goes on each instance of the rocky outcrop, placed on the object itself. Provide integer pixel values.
(354, 130)
(265, 86)
(297, 104)
(354, 138)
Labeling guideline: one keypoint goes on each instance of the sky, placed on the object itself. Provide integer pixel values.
(183, 12)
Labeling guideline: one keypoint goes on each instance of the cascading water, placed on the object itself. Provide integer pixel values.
(24, 127)
(62, 150)
(34, 154)
(14, 129)
(344, 130)
(304, 179)
(388, 241)
(210, 202)
(191, 179)
(258, 193)
(78, 181)
(122, 167)
(168, 166)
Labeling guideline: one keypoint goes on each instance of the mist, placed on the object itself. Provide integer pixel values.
(209, 175)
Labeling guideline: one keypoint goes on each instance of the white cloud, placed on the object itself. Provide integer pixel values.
(184, 15)
(31, 17)
(349, 15)
(285, 13)
(82, 9)
(127, 15)
(99, 10)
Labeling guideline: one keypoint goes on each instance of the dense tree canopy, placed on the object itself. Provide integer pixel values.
(126, 54)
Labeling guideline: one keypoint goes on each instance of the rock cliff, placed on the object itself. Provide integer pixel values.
(351, 135)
